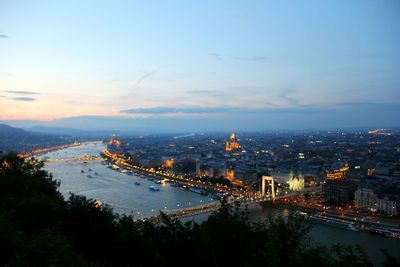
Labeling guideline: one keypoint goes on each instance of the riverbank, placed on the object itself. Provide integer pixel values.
(121, 163)
(341, 221)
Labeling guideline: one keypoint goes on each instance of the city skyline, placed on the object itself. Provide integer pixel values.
(200, 67)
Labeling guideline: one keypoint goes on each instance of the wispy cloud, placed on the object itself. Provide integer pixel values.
(300, 110)
(25, 99)
(169, 110)
(3, 36)
(20, 92)
(251, 58)
(155, 111)
(287, 95)
(208, 93)
(218, 56)
(6, 74)
(146, 76)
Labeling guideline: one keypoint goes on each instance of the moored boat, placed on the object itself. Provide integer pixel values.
(335, 222)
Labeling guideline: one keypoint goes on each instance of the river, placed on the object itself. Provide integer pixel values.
(114, 188)
(120, 192)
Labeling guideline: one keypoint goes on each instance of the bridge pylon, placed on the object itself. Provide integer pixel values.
(264, 181)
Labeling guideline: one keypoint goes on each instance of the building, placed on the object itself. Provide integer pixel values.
(389, 204)
(114, 142)
(338, 174)
(229, 174)
(340, 191)
(365, 199)
(233, 144)
(296, 181)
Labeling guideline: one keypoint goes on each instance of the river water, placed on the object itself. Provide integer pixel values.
(120, 192)
(114, 188)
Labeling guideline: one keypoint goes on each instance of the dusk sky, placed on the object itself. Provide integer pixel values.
(200, 65)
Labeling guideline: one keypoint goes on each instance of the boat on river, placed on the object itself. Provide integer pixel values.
(154, 188)
(198, 191)
(334, 222)
(388, 232)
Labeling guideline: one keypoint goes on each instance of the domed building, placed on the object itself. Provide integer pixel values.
(233, 144)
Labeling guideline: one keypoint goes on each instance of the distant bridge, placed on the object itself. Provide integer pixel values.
(84, 158)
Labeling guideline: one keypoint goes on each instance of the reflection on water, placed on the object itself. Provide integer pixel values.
(116, 189)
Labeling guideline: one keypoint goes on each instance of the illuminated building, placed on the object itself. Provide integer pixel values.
(371, 172)
(229, 174)
(233, 144)
(114, 141)
(380, 132)
(169, 163)
(338, 174)
(296, 182)
(365, 199)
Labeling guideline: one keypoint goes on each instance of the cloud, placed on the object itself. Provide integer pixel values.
(169, 110)
(217, 56)
(208, 93)
(147, 75)
(286, 95)
(26, 99)
(6, 74)
(217, 110)
(252, 58)
(20, 92)
(3, 36)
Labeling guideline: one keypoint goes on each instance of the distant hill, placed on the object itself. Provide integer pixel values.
(54, 130)
(6, 129)
(19, 140)
(76, 133)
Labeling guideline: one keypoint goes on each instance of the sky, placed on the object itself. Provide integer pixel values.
(200, 65)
